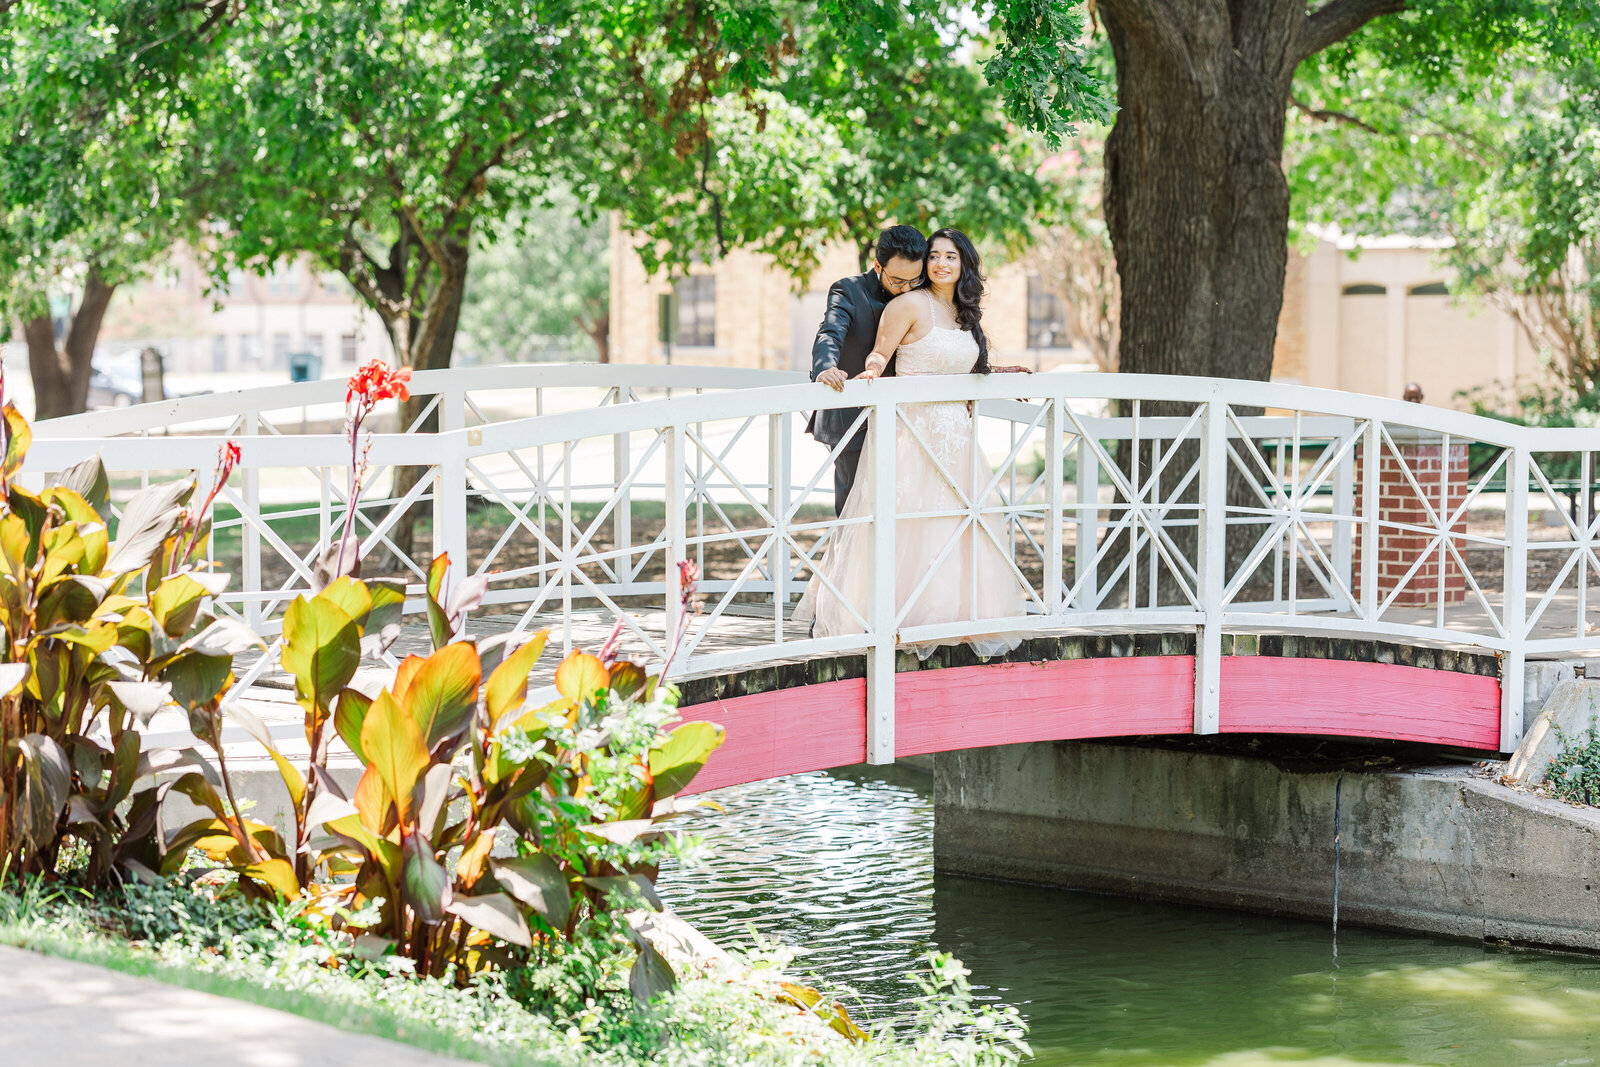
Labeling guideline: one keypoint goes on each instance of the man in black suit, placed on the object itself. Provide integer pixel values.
(846, 336)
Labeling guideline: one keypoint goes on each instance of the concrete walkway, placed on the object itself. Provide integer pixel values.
(57, 1013)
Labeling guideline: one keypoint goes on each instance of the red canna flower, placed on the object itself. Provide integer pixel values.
(375, 381)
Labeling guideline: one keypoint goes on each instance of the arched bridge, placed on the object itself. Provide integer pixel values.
(1199, 555)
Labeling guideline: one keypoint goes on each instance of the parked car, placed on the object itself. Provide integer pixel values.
(116, 379)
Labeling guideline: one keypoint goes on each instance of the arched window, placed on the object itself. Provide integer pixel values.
(1430, 289)
(1364, 289)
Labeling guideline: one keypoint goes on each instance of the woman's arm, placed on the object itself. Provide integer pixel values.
(900, 319)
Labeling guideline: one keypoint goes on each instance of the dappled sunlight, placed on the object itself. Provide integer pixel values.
(1496, 986)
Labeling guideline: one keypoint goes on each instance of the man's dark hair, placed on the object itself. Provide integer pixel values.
(905, 242)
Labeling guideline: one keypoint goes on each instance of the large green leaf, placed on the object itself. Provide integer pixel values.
(382, 625)
(651, 974)
(508, 685)
(195, 679)
(495, 914)
(438, 621)
(443, 692)
(424, 885)
(348, 715)
(349, 596)
(46, 782)
(675, 762)
(175, 603)
(538, 882)
(321, 649)
(396, 749)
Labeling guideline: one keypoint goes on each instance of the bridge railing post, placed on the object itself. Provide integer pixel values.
(1086, 570)
(250, 533)
(778, 505)
(1516, 599)
(1054, 519)
(677, 472)
(450, 484)
(882, 608)
(1213, 560)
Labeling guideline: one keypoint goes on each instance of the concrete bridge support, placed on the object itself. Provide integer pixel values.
(1439, 850)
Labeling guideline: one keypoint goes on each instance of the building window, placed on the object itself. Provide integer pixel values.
(284, 280)
(313, 344)
(1431, 289)
(697, 311)
(1047, 316)
(1364, 289)
(280, 350)
(219, 354)
(249, 352)
(347, 347)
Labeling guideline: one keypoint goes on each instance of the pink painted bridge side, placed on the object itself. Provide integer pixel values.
(814, 727)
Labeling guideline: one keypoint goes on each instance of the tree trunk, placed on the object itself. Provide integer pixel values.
(599, 331)
(61, 374)
(438, 357)
(1195, 197)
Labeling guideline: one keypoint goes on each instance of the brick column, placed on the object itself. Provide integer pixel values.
(1444, 481)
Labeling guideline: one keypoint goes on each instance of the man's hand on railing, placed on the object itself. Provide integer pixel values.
(834, 379)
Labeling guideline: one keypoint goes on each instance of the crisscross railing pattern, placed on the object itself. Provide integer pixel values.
(1116, 502)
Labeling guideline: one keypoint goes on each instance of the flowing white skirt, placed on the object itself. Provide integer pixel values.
(947, 568)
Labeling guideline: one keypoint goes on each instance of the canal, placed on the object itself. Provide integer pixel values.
(842, 864)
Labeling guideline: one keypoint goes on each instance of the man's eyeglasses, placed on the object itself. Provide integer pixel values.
(899, 285)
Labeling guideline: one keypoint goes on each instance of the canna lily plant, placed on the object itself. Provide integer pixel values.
(481, 830)
(99, 636)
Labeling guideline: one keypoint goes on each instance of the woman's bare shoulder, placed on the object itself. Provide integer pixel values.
(908, 304)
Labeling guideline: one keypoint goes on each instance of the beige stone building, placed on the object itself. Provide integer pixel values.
(1363, 316)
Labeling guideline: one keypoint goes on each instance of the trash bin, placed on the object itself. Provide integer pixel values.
(305, 367)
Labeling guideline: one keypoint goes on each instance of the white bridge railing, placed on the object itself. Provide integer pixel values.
(580, 488)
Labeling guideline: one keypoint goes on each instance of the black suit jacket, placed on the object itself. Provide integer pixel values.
(845, 340)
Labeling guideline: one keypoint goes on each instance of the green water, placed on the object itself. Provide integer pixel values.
(843, 864)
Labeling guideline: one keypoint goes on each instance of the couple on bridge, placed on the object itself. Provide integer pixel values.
(917, 310)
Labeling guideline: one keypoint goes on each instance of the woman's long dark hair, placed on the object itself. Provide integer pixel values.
(969, 291)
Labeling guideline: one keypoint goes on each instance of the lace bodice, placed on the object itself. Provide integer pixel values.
(942, 350)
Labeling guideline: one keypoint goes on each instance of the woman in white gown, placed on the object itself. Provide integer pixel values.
(933, 330)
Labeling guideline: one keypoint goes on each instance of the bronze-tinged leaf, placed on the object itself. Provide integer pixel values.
(275, 874)
(18, 437)
(148, 520)
(539, 883)
(404, 674)
(46, 781)
(87, 480)
(675, 762)
(651, 975)
(495, 914)
(581, 676)
(443, 693)
(508, 685)
(628, 679)
(321, 648)
(469, 868)
(375, 803)
(395, 746)
(293, 781)
(424, 885)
